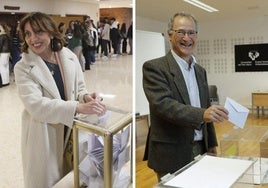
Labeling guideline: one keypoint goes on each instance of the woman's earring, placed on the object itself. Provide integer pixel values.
(55, 45)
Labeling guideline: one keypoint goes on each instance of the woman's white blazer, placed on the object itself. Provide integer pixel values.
(45, 115)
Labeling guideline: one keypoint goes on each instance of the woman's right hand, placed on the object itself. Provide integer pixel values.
(95, 106)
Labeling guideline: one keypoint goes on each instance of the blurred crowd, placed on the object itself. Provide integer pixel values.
(89, 41)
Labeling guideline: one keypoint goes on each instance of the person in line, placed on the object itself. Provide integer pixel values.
(51, 86)
(105, 35)
(61, 27)
(87, 19)
(99, 49)
(123, 33)
(114, 36)
(88, 45)
(70, 30)
(5, 49)
(130, 36)
(75, 44)
(15, 45)
(94, 34)
(180, 111)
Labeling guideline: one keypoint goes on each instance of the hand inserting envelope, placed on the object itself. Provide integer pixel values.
(237, 113)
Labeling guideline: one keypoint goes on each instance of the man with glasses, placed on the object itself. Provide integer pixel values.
(180, 111)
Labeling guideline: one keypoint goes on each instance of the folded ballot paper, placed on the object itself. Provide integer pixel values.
(237, 113)
(91, 167)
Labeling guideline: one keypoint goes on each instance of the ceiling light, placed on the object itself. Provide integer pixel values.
(201, 5)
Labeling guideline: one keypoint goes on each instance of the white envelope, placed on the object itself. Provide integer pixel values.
(237, 113)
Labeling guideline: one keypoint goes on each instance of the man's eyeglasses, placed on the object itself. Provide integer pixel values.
(182, 33)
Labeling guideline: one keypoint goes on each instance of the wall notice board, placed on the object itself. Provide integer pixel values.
(149, 45)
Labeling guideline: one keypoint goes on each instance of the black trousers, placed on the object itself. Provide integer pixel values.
(105, 47)
(87, 57)
(124, 46)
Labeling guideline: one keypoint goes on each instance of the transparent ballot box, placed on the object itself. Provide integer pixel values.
(102, 150)
(252, 141)
(210, 171)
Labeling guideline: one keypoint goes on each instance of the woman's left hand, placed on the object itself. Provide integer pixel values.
(90, 97)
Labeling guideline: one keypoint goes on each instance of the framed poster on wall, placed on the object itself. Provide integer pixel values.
(251, 57)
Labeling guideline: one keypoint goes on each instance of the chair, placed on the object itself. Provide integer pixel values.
(213, 94)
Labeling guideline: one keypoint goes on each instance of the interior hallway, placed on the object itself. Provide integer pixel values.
(111, 78)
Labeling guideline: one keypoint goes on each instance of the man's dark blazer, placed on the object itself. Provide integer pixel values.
(173, 119)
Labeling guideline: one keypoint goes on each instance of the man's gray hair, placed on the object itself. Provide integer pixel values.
(181, 14)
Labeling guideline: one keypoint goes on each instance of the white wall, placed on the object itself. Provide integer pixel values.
(144, 41)
(215, 52)
(59, 7)
(220, 37)
(146, 24)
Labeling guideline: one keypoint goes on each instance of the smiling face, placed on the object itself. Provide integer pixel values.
(183, 37)
(37, 40)
(36, 30)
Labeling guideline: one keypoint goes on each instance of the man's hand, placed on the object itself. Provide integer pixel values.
(215, 113)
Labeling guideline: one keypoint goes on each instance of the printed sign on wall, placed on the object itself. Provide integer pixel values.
(251, 57)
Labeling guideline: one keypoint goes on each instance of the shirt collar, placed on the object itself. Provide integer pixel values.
(183, 64)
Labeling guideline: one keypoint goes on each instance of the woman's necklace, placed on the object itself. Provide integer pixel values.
(51, 63)
(52, 67)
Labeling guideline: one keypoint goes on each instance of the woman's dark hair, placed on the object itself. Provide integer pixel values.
(40, 21)
(61, 24)
(77, 31)
(123, 28)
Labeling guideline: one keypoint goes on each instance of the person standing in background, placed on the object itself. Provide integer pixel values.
(15, 47)
(129, 36)
(118, 47)
(75, 44)
(86, 45)
(5, 49)
(69, 31)
(94, 34)
(99, 49)
(61, 27)
(114, 36)
(105, 35)
(123, 33)
(87, 19)
(180, 111)
(51, 86)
